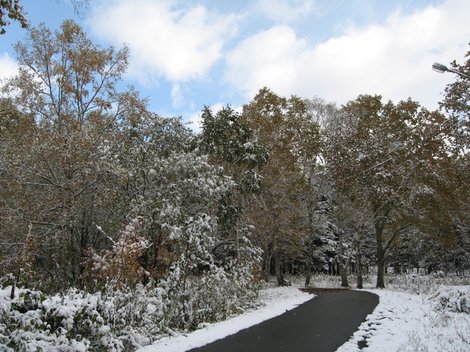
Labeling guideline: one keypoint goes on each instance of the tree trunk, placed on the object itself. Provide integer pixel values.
(359, 266)
(311, 228)
(266, 264)
(12, 292)
(308, 272)
(277, 268)
(380, 269)
(343, 270)
(379, 225)
(380, 257)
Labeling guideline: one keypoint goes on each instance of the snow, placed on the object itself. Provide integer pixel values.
(408, 322)
(273, 302)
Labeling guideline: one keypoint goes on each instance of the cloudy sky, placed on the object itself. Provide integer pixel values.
(187, 53)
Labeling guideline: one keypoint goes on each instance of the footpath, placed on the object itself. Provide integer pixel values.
(321, 324)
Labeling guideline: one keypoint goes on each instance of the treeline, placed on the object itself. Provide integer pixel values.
(96, 190)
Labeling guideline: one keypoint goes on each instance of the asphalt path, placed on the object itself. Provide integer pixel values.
(322, 324)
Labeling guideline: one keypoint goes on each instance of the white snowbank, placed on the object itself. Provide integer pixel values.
(405, 322)
(275, 301)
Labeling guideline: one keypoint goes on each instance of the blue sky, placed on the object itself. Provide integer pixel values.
(187, 54)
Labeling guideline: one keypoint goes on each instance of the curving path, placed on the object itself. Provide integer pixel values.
(319, 325)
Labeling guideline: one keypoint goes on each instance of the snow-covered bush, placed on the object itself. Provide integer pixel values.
(199, 289)
(72, 321)
(452, 299)
(201, 256)
(135, 314)
(216, 295)
(439, 322)
(116, 320)
(119, 320)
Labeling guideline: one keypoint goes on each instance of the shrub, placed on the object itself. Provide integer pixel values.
(452, 299)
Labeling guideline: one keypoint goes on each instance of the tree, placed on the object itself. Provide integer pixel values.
(291, 137)
(232, 144)
(389, 155)
(65, 186)
(229, 143)
(14, 11)
(322, 246)
(456, 105)
(456, 98)
(354, 225)
(322, 231)
(16, 131)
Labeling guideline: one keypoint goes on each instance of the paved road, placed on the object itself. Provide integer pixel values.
(319, 325)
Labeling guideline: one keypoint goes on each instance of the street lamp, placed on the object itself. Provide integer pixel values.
(443, 68)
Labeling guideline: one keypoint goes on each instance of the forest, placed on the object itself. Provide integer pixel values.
(145, 227)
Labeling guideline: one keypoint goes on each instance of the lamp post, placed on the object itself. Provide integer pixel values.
(442, 68)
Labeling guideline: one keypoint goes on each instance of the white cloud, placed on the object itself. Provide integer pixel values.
(165, 41)
(269, 58)
(393, 59)
(283, 11)
(177, 98)
(8, 66)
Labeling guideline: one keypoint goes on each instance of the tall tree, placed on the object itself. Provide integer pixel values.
(456, 104)
(321, 245)
(457, 97)
(67, 86)
(16, 132)
(284, 126)
(230, 143)
(388, 155)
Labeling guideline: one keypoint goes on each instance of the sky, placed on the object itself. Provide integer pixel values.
(187, 54)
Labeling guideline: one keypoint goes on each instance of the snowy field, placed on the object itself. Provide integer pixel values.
(416, 314)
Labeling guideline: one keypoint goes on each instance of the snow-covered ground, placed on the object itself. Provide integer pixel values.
(428, 317)
(406, 322)
(273, 302)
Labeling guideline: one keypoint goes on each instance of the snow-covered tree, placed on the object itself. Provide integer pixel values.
(456, 105)
(285, 128)
(324, 243)
(66, 86)
(231, 144)
(391, 157)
